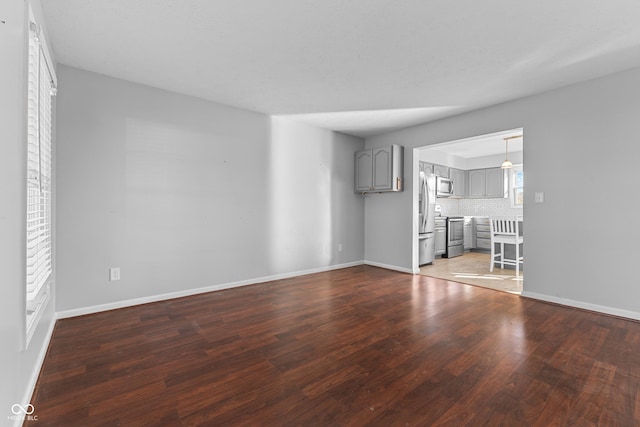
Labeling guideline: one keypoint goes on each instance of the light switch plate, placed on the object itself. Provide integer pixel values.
(539, 197)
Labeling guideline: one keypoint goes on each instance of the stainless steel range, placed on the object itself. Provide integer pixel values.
(455, 237)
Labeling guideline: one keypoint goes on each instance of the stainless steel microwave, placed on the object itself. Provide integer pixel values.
(444, 187)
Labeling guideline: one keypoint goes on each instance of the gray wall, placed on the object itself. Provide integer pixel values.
(18, 366)
(579, 250)
(181, 193)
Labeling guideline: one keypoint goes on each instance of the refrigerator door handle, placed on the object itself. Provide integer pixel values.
(423, 205)
(425, 201)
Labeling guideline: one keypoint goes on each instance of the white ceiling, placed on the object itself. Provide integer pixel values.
(483, 145)
(358, 66)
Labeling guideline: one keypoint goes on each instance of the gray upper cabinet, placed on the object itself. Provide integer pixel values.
(459, 178)
(440, 170)
(382, 168)
(495, 183)
(477, 179)
(426, 167)
(379, 169)
(486, 183)
(364, 171)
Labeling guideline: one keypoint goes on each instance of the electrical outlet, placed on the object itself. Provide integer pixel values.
(339, 247)
(114, 274)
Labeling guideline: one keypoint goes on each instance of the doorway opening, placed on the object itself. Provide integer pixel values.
(481, 190)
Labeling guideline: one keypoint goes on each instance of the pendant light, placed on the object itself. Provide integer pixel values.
(507, 163)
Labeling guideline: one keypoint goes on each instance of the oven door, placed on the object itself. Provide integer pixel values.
(455, 231)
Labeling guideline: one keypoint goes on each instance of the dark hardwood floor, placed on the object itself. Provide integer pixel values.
(358, 346)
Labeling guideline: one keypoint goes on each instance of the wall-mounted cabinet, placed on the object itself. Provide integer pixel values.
(477, 183)
(379, 169)
(364, 171)
(495, 183)
(426, 167)
(486, 183)
(436, 169)
(459, 178)
(440, 170)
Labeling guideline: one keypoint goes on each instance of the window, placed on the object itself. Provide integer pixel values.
(516, 186)
(39, 256)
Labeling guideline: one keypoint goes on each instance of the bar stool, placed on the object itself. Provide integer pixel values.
(506, 231)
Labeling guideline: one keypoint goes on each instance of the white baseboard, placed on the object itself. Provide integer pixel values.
(390, 267)
(161, 297)
(584, 305)
(31, 384)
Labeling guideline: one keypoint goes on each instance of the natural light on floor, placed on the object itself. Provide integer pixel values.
(472, 268)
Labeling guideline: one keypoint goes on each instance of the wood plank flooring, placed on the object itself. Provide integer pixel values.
(472, 268)
(357, 346)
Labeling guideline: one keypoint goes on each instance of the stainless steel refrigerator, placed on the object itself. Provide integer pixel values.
(427, 204)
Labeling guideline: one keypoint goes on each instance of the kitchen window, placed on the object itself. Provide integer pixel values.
(39, 245)
(516, 186)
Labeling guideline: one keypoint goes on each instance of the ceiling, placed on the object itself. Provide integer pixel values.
(482, 146)
(361, 67)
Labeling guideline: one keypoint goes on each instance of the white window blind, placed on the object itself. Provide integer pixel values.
(39, 256)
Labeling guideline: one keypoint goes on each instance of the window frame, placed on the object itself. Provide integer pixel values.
(512, 186)
(39, 245)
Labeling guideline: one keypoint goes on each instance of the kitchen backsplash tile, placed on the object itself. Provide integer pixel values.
(477, 207)
(488, 207)
(450, 207)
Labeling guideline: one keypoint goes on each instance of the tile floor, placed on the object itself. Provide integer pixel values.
(473, 268)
